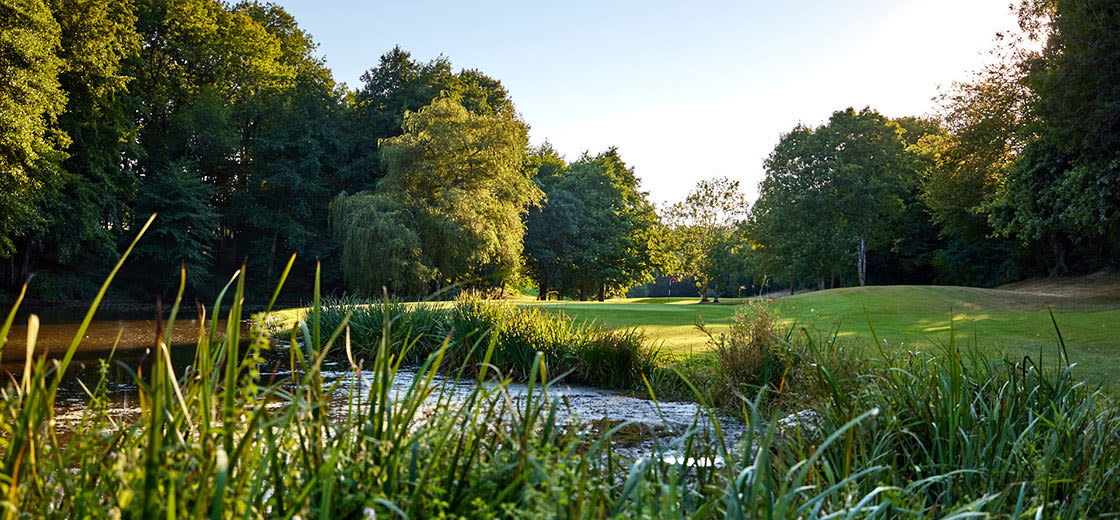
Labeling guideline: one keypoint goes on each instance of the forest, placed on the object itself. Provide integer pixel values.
(223, 120)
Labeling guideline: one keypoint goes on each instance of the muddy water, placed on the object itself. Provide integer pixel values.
(122, 338)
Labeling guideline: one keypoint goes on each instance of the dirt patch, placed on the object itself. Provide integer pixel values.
(1101, 288)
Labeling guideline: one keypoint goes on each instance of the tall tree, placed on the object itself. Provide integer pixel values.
(551, 229)
(618, 240)
(703, 227)
(1071, 166)
(30, 102)
(460, 177)
(185, 234)
(830, 194)
(97, 37)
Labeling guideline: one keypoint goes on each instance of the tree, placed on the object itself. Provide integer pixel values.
(830, 195)
(551, 229)
(97, 36)
(461, 177)
(1062, 187)
(702, 230)
(381, 247)
(30, 102)
(398, 85)
(983, 122)
(185, 234)
(618, 229)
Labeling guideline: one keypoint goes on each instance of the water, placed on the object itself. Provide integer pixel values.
(651, 423)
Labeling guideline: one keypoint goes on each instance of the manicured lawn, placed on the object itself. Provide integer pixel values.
(668, 323)
(1012, 323)
(1001, 322)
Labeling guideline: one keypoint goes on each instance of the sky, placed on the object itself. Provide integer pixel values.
(685, 90)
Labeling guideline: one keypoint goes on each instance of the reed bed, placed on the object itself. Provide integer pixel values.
(951, 436)
(584, 352)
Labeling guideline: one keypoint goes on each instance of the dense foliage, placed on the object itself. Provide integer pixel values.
(596, 233)
(222, 118)
(449, 208)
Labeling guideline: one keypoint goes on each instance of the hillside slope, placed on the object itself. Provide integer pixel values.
(1012, 321)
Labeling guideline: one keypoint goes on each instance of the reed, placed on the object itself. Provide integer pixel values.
(908, 436)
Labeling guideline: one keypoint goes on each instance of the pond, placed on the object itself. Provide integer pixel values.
(133, 338)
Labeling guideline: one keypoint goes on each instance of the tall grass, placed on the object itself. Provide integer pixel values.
(584, 352)
(951, 436)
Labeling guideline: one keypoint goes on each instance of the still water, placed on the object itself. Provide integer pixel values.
(122, 338)
(134, 338)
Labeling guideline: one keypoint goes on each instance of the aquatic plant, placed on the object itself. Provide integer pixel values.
(910, 436)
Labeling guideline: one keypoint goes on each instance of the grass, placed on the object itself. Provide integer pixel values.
(668, 323)
(1013, 323)
(1001, 322)
(583, 351)
(908, 436)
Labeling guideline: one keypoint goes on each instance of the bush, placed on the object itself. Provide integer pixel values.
(755, 356)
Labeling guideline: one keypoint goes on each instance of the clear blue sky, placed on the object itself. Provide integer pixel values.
(685, 90)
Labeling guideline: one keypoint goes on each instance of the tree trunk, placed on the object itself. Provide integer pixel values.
(1058, 246)
(602, 292)
(861, 261)
(704, 292)
(583, 293)
(542, 292)
(272, 257)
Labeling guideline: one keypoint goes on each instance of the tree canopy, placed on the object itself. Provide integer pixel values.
(455, 180)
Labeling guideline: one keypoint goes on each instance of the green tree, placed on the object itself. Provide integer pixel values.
(703, 231)
(97, 36)
(552, 228)
(830, 195)
(397, 85)
(186, 231)
(381, 247)
(30, 102)
(1063, 186)
(617, 244)
(461, 176)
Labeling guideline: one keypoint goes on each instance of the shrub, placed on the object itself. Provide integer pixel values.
(755, 355)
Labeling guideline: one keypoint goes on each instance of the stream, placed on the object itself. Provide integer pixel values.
(657, 422)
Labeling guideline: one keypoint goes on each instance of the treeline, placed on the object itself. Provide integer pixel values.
(1018, 175)
(221, 118)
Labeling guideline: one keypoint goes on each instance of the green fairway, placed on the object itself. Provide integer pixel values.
(1014, 323)
(668, 323)
(1011, 323)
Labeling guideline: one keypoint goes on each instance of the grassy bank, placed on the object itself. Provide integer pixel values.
(511, 336)
(904, 436)
(1013, 322)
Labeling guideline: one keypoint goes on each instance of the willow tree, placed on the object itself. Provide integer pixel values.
(456, 181)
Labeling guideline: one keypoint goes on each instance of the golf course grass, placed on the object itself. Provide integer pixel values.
(1013, 321)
